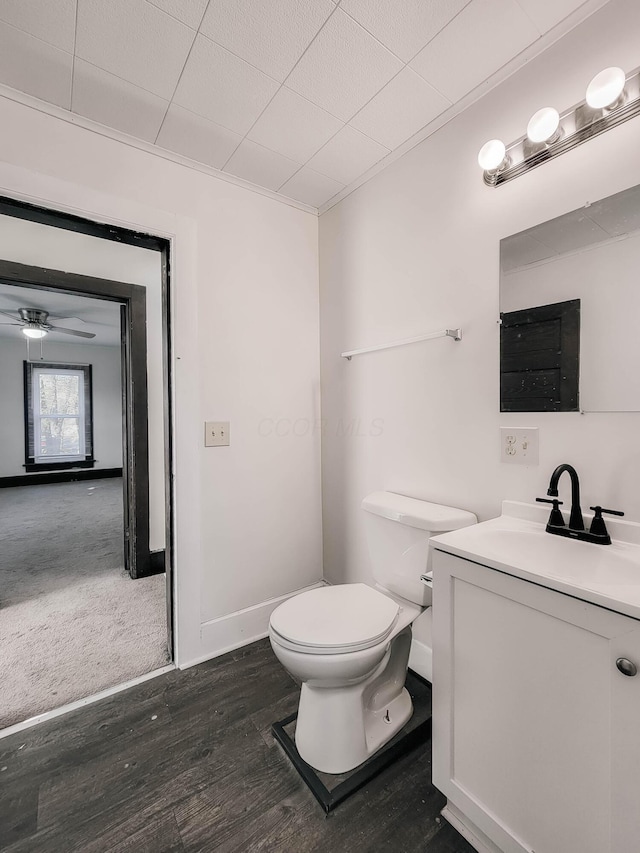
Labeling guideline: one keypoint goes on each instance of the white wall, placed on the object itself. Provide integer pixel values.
(55, 248)
(107, 401)
(416, 250)
(605, 279)
(246, 349)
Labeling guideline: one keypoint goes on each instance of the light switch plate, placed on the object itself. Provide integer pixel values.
(216, 434)
(519, 445)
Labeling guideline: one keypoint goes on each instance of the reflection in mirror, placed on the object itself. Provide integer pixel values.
(591, 258)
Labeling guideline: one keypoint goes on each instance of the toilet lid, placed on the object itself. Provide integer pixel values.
(336, 617)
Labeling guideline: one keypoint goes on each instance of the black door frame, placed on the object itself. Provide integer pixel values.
(133, 299)
(156, 561)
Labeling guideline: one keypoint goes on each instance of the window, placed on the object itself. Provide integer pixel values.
(58, 429)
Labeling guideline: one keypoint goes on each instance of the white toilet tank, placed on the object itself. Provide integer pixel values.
(398, 532)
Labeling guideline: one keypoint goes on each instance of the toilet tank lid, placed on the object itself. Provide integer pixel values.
(416, 513)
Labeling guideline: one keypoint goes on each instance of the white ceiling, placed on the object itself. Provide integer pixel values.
(82, 313)
(301, 97)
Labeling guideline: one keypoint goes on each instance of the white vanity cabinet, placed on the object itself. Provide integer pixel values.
(536, 732)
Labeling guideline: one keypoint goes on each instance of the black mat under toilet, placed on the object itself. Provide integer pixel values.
(329, 789)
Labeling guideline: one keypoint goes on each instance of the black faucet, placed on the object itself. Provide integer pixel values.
(575, 520)
(597, 532)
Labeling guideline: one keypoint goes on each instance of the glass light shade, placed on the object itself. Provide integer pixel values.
(605, 88)
(491, 155)
(34, 331)
(543, 125)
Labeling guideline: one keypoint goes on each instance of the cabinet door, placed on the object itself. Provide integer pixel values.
(528, 712)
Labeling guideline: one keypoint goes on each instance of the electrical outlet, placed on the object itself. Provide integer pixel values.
(519, 446)
(216, 434)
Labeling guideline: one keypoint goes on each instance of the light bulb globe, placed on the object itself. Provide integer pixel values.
(492, 155)
(543, 125)
(605, 88)
(34, 332)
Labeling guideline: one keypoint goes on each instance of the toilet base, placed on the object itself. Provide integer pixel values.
(330, 790)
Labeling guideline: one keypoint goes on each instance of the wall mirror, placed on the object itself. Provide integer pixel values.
(569, 288)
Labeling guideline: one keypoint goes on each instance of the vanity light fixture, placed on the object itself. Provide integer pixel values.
(612, 97)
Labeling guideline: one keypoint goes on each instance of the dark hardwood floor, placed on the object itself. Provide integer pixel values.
(185, 763)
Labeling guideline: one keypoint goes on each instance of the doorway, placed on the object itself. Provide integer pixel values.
(138, 555)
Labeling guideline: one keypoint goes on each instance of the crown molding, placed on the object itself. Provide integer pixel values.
(67, 116)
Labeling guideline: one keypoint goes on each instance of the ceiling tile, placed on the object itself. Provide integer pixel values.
(520, 250)
(547, 13)
(221, 87)
(260, 166)
(403, 27)
(294, 126)
(54, 23)
(35, 67)
(272, 35)
(343, 68)
(198, 138)
(190, 12)
(108, 99)
(478, 42)
(133, 40)
(569, 232)
(311, 187)
(402, 108)
(347, 156)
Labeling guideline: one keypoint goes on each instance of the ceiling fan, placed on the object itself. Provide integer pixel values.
(35, 323)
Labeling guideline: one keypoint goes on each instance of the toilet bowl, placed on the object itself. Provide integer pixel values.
(349, 644)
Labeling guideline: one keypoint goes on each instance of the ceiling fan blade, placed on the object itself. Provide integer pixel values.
(8, 314)
(71, 332)
(10, 324)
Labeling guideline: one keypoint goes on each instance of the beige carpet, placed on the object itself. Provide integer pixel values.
(72, 622)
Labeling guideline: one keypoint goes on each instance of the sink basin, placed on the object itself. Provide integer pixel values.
(584, 562)
(518, 544)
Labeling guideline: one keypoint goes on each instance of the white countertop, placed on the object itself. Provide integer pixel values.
(516, 543)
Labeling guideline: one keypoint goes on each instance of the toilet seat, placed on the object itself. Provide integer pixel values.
(335, 619)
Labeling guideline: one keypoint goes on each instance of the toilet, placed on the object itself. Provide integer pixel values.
(349, 644)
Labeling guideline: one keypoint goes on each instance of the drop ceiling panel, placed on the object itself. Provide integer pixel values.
(108, 99)
(54, 23)
(311, 187)
(547, 13)
(190, 12)
(520, 250)
(293, 126)
(35, 67)
(347, 155)
(619, 214)
(404, 27)
(270, 35)
(478, 42)
(134, 40)
(400, 110)
(197, 138)
(218, 85)
(268, 86)
(343, 68)
(260, 165)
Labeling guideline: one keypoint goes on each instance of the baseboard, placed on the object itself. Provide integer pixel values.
(156, 563)
(476, 838)
(421, 659)
(238, 629)
(47, 477)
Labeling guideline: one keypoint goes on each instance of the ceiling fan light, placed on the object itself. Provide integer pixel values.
(32, 330)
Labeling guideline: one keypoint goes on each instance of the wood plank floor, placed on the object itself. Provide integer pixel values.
(185, 763)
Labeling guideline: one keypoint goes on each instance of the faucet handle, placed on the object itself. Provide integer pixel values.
(598, 527)
(599, 510)
(556, 518)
